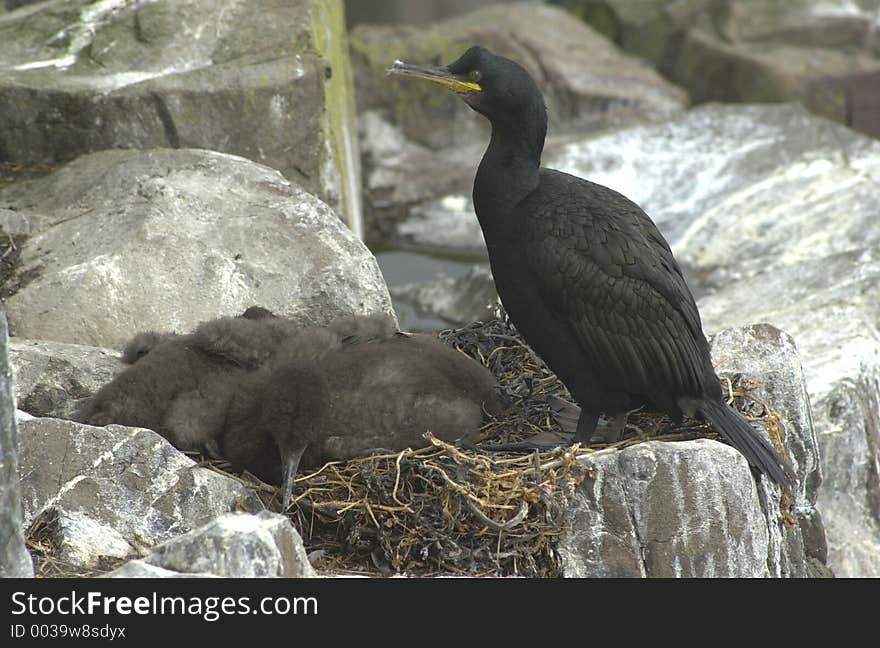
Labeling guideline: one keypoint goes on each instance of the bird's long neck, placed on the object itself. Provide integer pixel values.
(509, 169)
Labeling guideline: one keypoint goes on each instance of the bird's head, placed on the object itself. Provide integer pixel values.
(492, 85)
(295, 399)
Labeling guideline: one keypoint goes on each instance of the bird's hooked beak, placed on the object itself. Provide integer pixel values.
(439, 75)
(289, 463)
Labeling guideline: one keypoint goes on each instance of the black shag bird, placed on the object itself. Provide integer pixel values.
(584, 273)
(344, 391)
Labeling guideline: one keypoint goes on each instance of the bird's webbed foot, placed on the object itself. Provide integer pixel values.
(609, 432)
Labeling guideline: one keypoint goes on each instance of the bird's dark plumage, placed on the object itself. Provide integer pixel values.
(179, 385)
(264, 391)
(357, 386)
(584, 274)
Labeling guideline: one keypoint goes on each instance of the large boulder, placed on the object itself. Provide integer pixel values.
(126, 241)
(773, 212)
(100, 495)
(265, 80)
(658, 509)
(417, 135)
(825, 54)
(14, 558)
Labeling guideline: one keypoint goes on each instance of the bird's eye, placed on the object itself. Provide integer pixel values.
(474, 75)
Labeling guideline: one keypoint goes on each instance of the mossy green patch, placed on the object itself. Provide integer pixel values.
(331, 43)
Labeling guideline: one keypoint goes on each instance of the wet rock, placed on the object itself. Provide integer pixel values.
(270, 82)
(237, 545)
(131, 241)
(14, 558)
(825, 54)
(108, 487)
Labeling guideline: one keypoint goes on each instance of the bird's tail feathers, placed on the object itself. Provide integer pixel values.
(741, 435)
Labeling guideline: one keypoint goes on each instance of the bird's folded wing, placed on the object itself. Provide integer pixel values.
(604, 268)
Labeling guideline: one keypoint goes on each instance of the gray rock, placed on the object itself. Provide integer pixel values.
(237, 545)
(660, 509)
(267, 81)
(774, 170)
(413, 195)
(129, 480)
(51, 377)
(164, 239)
(551, 44)
(80, 541)
(140, 569)
(769, 356)
(774, 212)
(14, 558)
(420, 143)
(458, 301)
(825, 54)
(763, 353)
(14, 224)
(448, 224)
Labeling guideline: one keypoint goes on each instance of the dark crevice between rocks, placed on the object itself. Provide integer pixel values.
(172, 137)
(12, 281)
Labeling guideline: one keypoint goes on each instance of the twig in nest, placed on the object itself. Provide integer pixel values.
(513, 522)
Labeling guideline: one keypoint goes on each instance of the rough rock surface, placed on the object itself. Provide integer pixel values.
(130, 241)
(660, 509)
(139, 569)
(550, 43)
(773, 212)
(420, 142)
(14, 558)
(51, 377)
(237, 545)
(691, 508)
(825, 54)
(103, 488)
(265, 80)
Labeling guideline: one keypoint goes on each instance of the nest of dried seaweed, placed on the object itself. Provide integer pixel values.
(468, 511)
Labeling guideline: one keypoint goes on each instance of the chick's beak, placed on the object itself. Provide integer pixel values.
(439, 75)
(289, 464)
